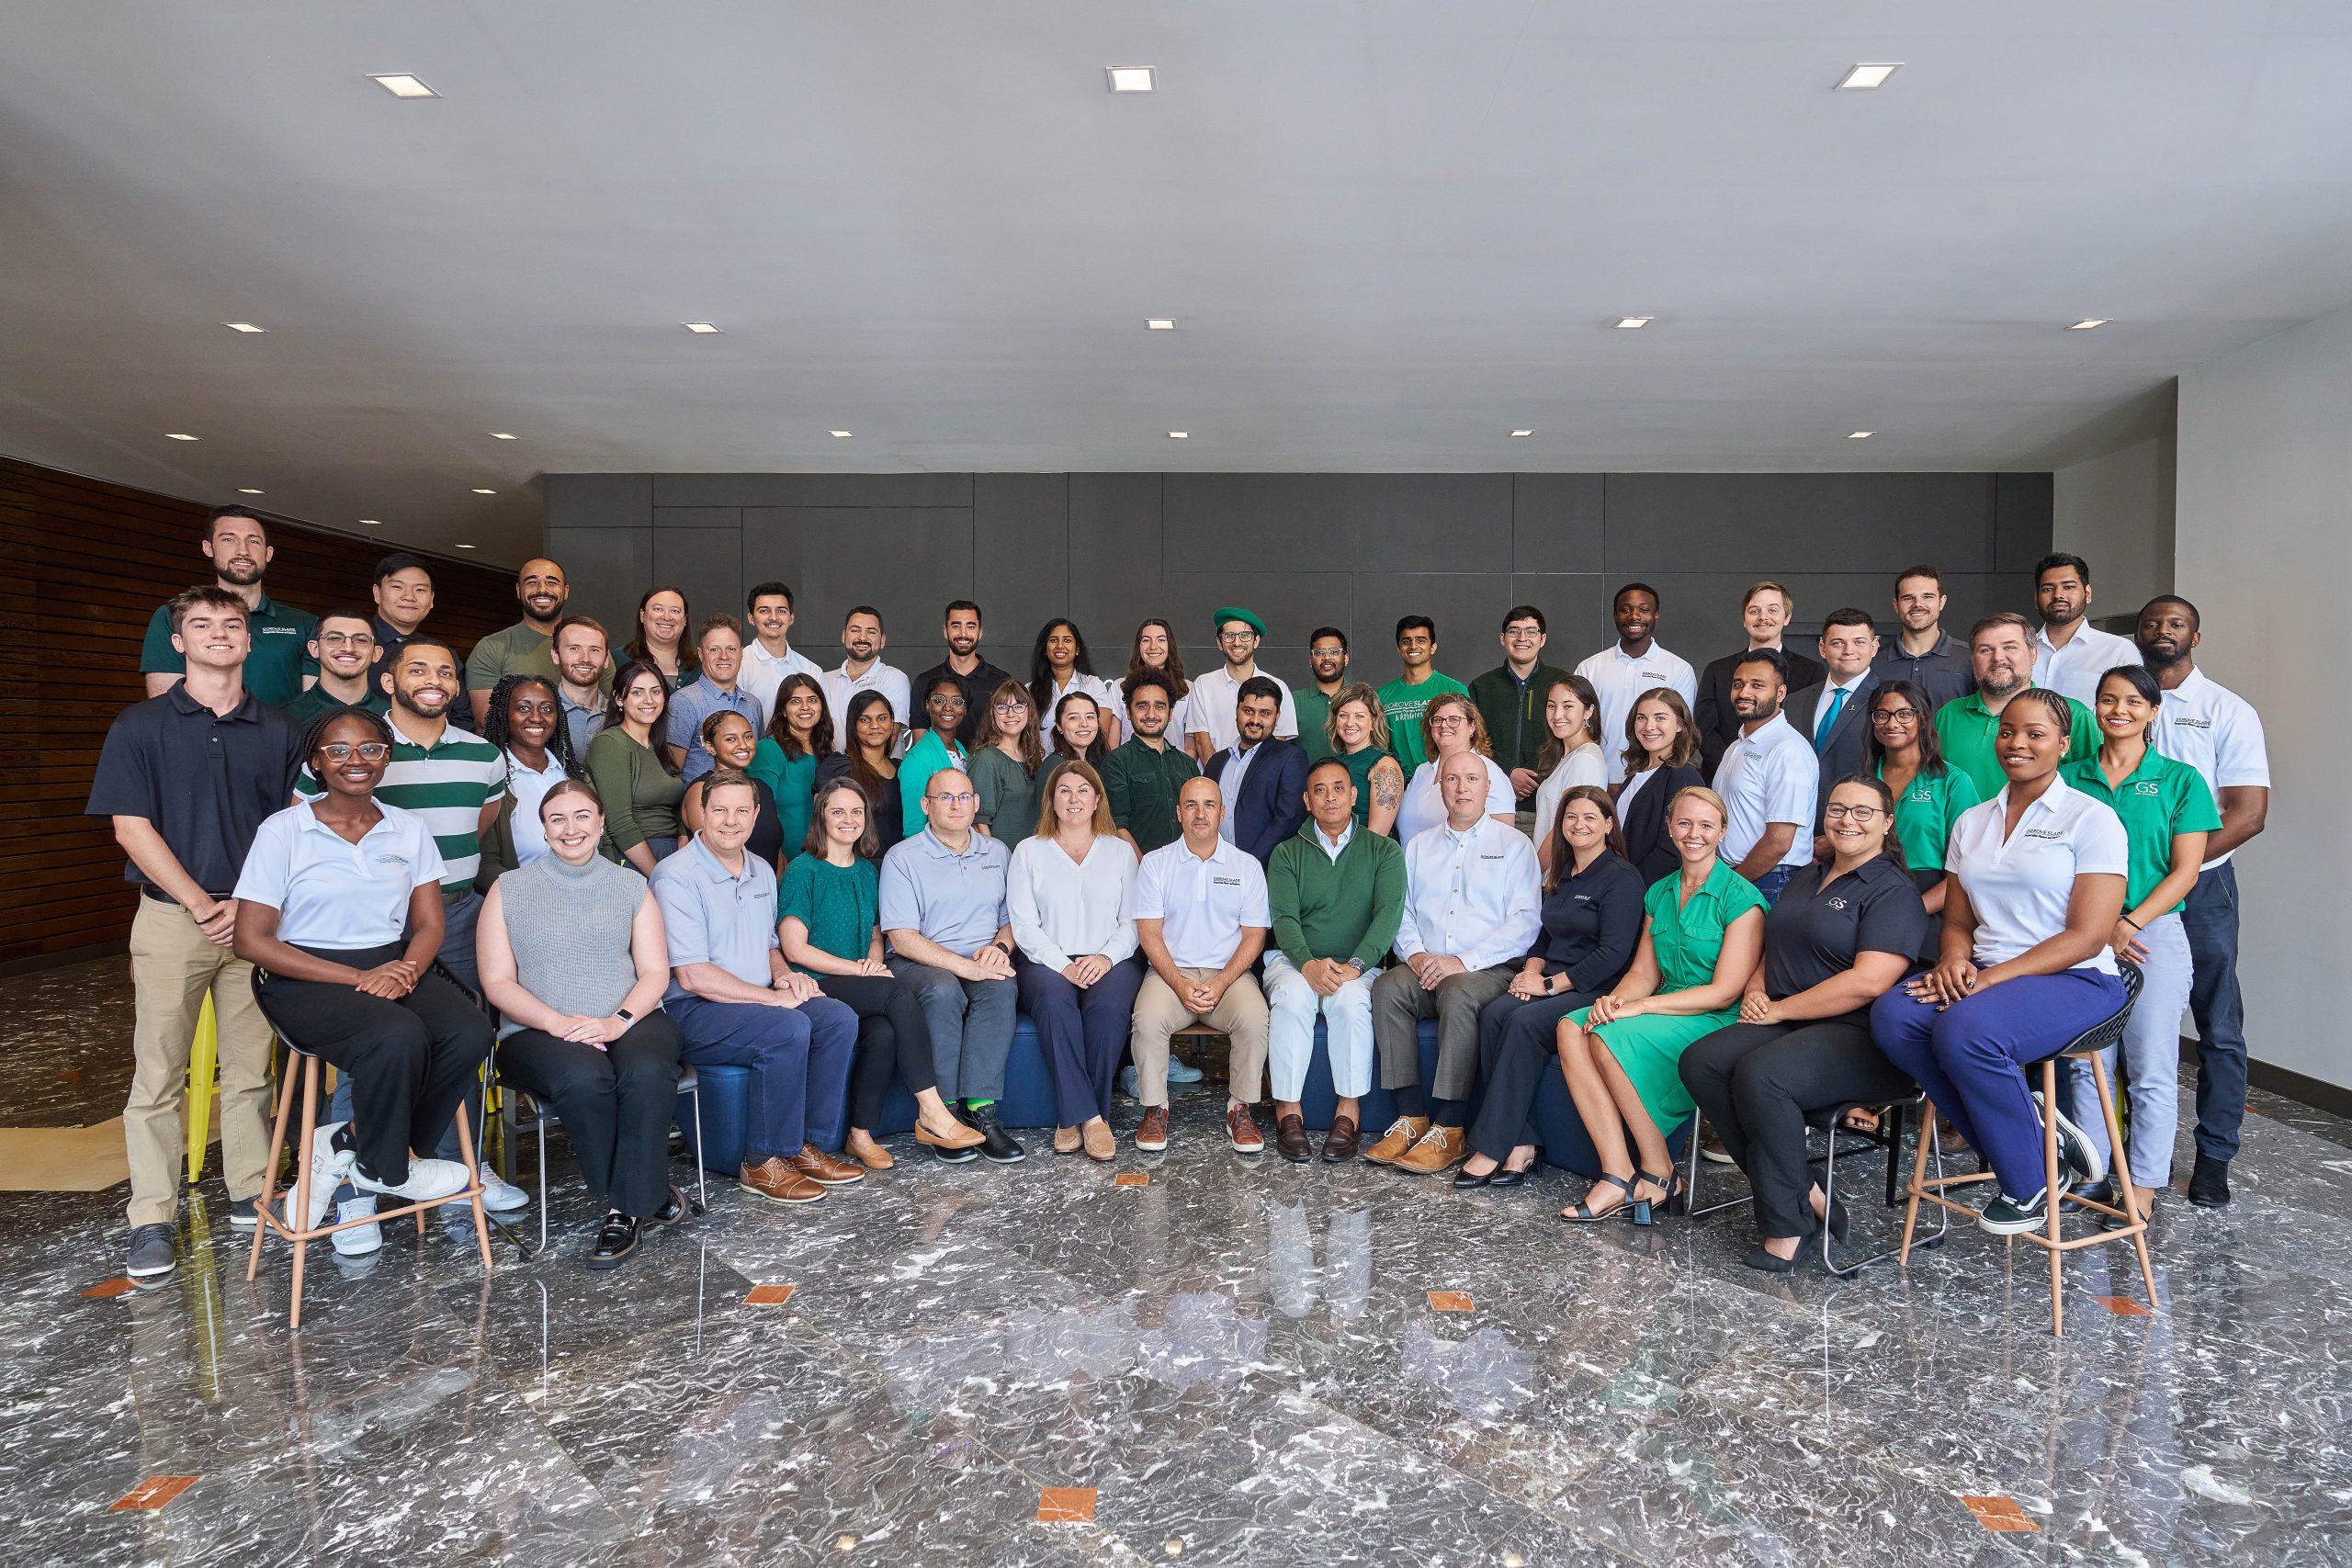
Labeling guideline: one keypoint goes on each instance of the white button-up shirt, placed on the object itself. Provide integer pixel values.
(762, 673)
(840, 686)
(1618, 680)
(2204, 724)
(1062, 909)
(329, 893)
(2019, 888)
(1472, 895)
(2074, 669)
(1334, 848)
(1208, 709)
(1228, 784)
(1769, 776)
(1202, 905)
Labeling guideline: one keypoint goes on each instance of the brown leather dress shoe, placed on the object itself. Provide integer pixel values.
(823, 1169)
(1152, 1136)
(866, 1152)
(1342, 1141)
(1402, 1135)
(963, 1137)
(1066, 1140)
(1440, 1148)
(1242, 1129)
(1290, 1138)
(1099, 1144)
(777, 1181)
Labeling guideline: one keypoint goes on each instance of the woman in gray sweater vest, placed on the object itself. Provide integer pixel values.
(573, 955)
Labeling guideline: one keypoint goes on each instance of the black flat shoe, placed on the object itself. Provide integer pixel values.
(671, 1210)
(615, 1239)
(1764, 1262)
(1464, 1180)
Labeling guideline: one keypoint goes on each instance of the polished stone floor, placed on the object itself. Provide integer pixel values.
(1241, 1363)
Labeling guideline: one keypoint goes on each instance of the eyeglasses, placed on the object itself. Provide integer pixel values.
(944, 700)
(1013, 707)
(1328, 650)
(1448, 721)
(961, 798)
(1864, 813)
(337, 639)
(366, 750)
(1895, 716)
(1237, 636)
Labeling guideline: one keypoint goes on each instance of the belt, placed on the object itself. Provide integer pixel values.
(160, 896)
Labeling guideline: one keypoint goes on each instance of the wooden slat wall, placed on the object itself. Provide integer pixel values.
(86, 565)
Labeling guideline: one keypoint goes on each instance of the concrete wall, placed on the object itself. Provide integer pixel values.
(2264, 549)
(1351, 550)
(2117, 512)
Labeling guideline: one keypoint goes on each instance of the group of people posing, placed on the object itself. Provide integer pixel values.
(1757, 890)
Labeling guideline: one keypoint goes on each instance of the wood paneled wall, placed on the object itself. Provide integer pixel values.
(86, 565)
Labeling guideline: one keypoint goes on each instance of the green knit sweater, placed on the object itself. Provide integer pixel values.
(1344, 908)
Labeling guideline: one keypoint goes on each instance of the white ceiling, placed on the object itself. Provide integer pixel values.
(1391, 232)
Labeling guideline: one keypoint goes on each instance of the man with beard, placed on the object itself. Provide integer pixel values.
(1769, 779)
(1327, 659)
(527, 648)
(862, 640)
(1143, 775)
(2071, 654)
(583, 653)
(2000, 650)
(345, 650)
(979, 678)
(1205, 721)
(1636, 664)
(278, 665)
(403, 595)
(1923, 654)
(1262, 780)
(2217, 732)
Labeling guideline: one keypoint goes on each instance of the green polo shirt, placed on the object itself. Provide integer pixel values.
(519, 650)
(274, 669)
(2159, 798)
(1966, 732)
(1314, 710)
(1404, 705)
(1142, 784)
(1925, 812)
(310, 704)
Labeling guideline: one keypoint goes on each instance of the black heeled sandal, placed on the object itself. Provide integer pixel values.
(1645, 1209)
(1585, 1215)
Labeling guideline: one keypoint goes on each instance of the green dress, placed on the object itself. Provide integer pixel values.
(1925, 812)
(1687, 939)
(1360, 765)
(793, 782)
(1008, 807)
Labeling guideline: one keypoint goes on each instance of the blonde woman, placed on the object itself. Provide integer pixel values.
(1358, 731)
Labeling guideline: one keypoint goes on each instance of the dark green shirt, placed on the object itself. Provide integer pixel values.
(837, 903)
(1314, 710)
(1142, 784)
(312, 703)
(1008, 807)
(274, 668)
(1344, 908)
(1966, 731)
(1514, 712)
(2160, 798)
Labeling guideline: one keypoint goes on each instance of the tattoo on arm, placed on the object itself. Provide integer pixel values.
(1387, 785)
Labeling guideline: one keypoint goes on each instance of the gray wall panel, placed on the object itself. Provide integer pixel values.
(1779, 524)
(1556, 522)
(1116, 549)
(705, 564)
(608, 567)
(1328, 522)
(1576, 609)
(1020, 560)
(600, 501)
(812, 490)
(698, 518)
(2023, 505)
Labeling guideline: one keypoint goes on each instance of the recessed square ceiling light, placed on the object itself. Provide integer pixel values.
(1180, 435)
(1863, 77)
(400, 85)
(700, 328)
(249, 493)
(839, 435)
(244, 327)
(1522, 432)
(503, 435)
(1160, 324)
(2086, 323)
(1631, 323)
(478, 490)
(178, 436)
(1862, 435)
(1130, 78)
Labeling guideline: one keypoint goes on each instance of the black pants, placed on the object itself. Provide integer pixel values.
(1518, 1044)
(1757, 1082)
(411, 1062)
(891, 1034)
(615, 1105)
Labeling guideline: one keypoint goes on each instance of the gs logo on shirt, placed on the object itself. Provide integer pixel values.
(1920, 795)
(1838, 903)
(2146, 786)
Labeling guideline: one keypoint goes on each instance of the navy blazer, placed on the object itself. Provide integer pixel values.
(1271, 802)
(1643, 824)
(1840, 752)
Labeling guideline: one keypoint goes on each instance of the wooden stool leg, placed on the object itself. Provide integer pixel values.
(473, 1171)
(300, 1215)
(2121, 1175)
(2053, 1188)
(1918, 1175)
(269, 1174)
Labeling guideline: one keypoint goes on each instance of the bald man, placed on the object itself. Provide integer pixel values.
(527, 648)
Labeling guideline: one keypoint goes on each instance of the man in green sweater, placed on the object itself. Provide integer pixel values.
(1336, 894)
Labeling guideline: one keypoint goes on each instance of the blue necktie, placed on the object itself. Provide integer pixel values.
(1830, 720)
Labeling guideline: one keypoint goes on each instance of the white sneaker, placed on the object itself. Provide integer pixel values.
(330, 1168)
(360, 1240)
(502, 1196)
(428, 1180)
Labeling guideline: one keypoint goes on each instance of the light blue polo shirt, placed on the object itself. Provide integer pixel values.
(713, 917)
(955, 900)
(331, 893)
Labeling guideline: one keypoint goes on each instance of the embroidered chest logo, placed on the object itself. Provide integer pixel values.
(2146, 787)
(1838, 903)
(2052, 835)
(1225, 881)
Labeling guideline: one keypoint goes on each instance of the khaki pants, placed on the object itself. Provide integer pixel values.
(1239, 1015)
(172, 967)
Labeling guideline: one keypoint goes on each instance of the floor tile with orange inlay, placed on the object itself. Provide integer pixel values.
(154, 1492)
(2000, 1515)
(2122, 1307)
(1450, 1301)
(768, 1295)
(105, 1290)
(1130, 1178)
(1066, 1505)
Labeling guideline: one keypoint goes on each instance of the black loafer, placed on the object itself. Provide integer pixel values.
(997, 1145)
(671, 1210)
(615, 1239)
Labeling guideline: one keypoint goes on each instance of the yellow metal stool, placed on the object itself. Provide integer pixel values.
(203, 1078)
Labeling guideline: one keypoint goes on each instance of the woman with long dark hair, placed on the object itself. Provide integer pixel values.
(1155, 650)
(1078, 723)
(799, 737)
(1571, 757)
(633, 772)
(1059, 665)
(1900, 747)
(1661, 761)
(870, 757)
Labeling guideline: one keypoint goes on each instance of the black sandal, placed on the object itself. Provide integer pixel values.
(1584, 1212)
(1644, 1209)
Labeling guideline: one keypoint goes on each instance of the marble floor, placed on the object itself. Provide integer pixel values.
(1229, 1362)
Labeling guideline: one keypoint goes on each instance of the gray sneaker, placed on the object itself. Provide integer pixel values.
(151, 1252)
(360, 1240)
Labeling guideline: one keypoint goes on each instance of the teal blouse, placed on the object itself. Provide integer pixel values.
(837, 903)
(793, 782)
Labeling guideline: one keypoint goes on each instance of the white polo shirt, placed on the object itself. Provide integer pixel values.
(1105, 693)
(762, 674)
(2020, 889)
(1208, 709)
(1202, 905)
(1769, 776)
(840, 686)
(2076, 668)
(1472, 895)
(1618, 680)
(331, 893)
(2204, 724)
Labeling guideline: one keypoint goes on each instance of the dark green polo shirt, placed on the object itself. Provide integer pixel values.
(2161, 797)
(274, 669)
(1142, 784)
(310, 704)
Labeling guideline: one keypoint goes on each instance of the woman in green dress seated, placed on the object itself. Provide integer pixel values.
(1703, 929)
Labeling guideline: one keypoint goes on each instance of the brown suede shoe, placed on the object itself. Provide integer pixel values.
(1342, 1141)
(866, 1152)
(1099, 1144)
(823, 1169)
(1289, 1139)
(1440, 1148)
(1152, 1136)
(777, 1181)
(1402, 1135)
(1241, 1129)
(1066, 1140)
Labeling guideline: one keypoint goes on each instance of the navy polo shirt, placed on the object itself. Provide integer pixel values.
(1814, 932)
(206, 781)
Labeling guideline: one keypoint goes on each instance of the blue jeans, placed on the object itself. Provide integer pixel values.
(971, 1028)
(1084, 1032)
(1971, 1058)
(800, 1059)
(1772, 881)
(2211, 922)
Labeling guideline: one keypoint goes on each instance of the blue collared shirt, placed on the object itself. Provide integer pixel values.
(954, 900)
(689, 705)
(714, 916)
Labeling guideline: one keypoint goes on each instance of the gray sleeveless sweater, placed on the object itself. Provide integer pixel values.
(569, 926)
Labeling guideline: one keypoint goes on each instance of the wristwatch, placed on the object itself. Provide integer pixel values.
(1355, 963)
(625, 1015)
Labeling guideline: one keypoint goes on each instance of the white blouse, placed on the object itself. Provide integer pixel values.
(2020, 889)
(1585, 765)
(1425, 809)
(1063, 910)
